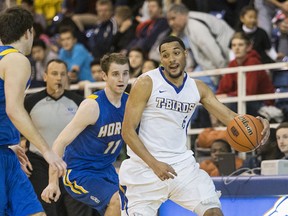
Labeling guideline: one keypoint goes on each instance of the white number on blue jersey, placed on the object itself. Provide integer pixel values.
(112, 146)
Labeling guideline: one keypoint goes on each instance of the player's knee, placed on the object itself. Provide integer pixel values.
(213, 212)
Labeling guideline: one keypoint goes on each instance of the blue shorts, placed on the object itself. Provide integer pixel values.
(94, 188)
(17, 194)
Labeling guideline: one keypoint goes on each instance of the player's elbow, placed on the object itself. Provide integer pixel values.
(11, 112)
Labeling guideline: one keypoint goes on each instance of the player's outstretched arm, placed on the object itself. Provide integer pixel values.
(87, 114)
(223, 113)
(135, 106)
(15, 78)
(212, 105)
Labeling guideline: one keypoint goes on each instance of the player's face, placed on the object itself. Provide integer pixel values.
(67, 41)
(282, 140)
(38, 53)
(173, 59)
(239, 48)
(249, 19)
(29, 41)
(56, 78)
(176, 21)
(117, 77)
(97, 72)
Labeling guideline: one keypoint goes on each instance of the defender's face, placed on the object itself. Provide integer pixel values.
(173, 59)
(282, 140)
(117, 77)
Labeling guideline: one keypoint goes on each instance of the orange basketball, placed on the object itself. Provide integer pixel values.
(244, 133)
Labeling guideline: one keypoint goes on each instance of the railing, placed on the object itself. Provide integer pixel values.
(241, 99)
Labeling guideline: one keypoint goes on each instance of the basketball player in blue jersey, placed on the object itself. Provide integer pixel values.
(160, 165)
(17, 195)
(92, 141)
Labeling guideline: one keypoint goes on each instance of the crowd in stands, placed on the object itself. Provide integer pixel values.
(217, 34)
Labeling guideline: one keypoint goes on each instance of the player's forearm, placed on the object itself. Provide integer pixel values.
(20, 118)
(132, 140)
(53, 176)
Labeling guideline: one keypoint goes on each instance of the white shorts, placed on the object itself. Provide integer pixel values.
(145, 192)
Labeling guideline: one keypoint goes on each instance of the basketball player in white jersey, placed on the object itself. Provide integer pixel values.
(157, 115)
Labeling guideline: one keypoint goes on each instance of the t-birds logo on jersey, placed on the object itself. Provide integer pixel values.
(169, 104)
(280, 208)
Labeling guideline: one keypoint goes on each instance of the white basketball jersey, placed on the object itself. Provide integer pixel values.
(166, 117)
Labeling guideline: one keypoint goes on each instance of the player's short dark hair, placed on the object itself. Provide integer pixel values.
(59, 61)
(170, 39)
(108, 59)
(14, 22)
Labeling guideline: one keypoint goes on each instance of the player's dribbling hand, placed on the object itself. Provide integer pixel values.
(56, 163)
(51, 193)
(266, 130)
(164, 171)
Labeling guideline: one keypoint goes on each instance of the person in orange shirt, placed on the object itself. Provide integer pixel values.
(211, 165)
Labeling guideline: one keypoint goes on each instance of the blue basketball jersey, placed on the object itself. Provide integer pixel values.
(98, 145)
(8, 132)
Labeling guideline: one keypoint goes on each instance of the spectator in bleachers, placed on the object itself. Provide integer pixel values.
(207, 36)
(266, 11)
(257, 82)
(211, 165)
(41, 54)
(136, 59)
(75, 55)
(100, 36)
(282, 138)
(126, 29)
(268, 151)
(149, 64)
(49, 8)
(38, 18)
(148, 31)
(281, 21)
(72, 7)
(258, 36)
(96, 70)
